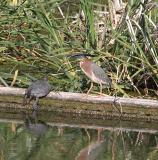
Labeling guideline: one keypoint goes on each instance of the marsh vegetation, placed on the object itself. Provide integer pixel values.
(36, 36)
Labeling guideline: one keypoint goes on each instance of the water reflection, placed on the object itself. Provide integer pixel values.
(34, 125)
(93, 150)
(33, 138)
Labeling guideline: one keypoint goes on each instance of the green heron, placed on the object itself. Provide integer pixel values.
(93, 71)
(37, 89)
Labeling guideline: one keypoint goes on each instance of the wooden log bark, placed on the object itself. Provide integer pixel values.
(85, 98)
(100, 106)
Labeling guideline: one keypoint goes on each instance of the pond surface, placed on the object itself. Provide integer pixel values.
(26, 136)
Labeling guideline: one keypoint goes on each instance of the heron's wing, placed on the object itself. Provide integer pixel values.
(100, 74)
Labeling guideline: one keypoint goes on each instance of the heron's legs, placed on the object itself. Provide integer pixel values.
(101, 90)
(90, 87)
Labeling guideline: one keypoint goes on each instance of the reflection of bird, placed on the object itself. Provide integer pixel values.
(34, 125)
(93, 71)
(93, 150)
(37, 89)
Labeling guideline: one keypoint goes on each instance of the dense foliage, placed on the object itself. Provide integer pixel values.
(36, 36)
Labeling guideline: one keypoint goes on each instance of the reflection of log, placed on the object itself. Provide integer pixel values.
(116, 128)
(127, 108)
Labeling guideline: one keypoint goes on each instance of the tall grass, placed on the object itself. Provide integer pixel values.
(36, 36)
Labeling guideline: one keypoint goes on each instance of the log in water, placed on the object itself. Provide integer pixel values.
(96, 105)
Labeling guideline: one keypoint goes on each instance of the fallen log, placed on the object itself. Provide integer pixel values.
(100, 106)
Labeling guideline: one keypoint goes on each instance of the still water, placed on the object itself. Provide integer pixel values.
(31, 137)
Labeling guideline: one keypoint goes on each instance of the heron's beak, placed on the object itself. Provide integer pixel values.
(81, 55)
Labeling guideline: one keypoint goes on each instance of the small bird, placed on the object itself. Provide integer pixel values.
(38, 89)
(93, 71)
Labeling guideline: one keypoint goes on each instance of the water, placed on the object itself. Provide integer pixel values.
(47, 136)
